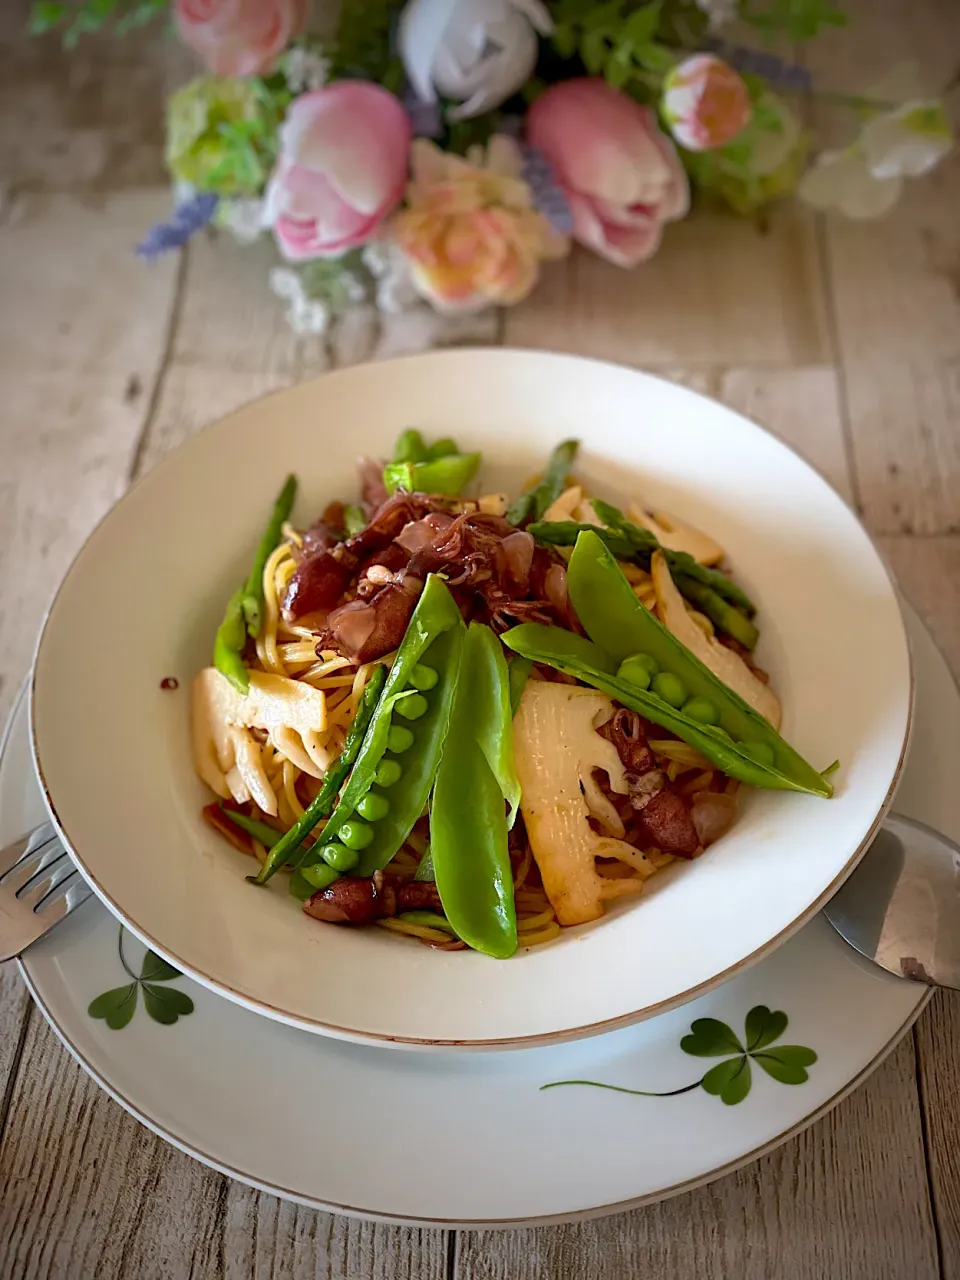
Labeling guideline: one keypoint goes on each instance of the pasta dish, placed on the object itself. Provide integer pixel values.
(476, 721)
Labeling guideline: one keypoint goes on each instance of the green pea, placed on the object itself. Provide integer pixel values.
(762, 752)
(388, 772)
(702, 710)
(373, 807)
(399, 739)
(412, 707)
(648, 661)
(339, 857)
(321, 874)
(634, 670)
(670, 688)
(356, 835)
(423, 678)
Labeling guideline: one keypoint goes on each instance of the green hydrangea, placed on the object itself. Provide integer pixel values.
(222, 135)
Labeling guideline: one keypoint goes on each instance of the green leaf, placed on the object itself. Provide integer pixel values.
(156, 969)
(763, 1027)
(787, 1062)
(656, 57)
(564, 41)
(642, 25)
(44, 17)
(594, 51)
(617, 73)
(166, 1004)
(710, 1038)
(116, 1006)
(729, 1081)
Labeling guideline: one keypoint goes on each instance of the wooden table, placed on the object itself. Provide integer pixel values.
(843, 338)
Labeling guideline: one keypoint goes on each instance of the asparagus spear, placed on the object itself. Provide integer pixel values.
(720, 612)
(533, 503)
(711, 591)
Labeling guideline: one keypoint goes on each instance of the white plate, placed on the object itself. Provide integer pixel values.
(143, 598)
(218, 1084)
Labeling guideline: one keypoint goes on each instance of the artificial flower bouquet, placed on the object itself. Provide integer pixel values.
(443, 150)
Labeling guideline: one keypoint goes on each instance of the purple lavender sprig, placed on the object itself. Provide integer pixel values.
(788, 75)
(189, 217)
(548, 195)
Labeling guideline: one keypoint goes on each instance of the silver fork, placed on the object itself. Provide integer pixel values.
(39, 886)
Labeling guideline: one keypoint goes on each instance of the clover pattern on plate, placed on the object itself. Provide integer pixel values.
(164, 1004)
(730, 1079)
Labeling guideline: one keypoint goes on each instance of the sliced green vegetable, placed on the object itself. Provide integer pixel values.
(532, 504)
(434, 635)
(471, 860)
(448, 474)
(229, 643)
(253, 592)
(353, 520)
(441, 448)
(410, 446)
(518, 669)
(286, 849)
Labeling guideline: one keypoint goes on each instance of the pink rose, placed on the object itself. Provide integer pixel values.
(705, 103)
(239, 37)
(342, 169)
(620, 174)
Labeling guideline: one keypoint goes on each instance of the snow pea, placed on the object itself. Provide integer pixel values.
(441, 448)
(743, 744)
(586, 661)
(410, 446)
(492, 714)
(447, 474)
(253, 593)
(287, 847)
(532, 504)
(433, 639)
(709, 590)
(244, 611)
(228, 644)
(471, 859)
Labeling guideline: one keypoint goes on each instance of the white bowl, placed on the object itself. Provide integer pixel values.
(144, 596)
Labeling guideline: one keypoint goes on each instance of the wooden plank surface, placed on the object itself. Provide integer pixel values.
(896, 286)
(842, 339)
(800, 1213)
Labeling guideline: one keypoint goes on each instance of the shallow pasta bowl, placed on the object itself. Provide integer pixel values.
(144, 596)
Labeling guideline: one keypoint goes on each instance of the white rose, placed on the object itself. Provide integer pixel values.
(477, 52)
